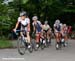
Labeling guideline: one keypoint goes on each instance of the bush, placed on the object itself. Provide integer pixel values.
(73, 35)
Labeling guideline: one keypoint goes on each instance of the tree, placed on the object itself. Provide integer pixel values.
(45, 9)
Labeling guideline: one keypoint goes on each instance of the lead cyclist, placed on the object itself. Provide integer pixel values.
(25, 25)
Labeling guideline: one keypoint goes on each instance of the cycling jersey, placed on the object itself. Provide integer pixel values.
(65, 30)
(57, 27)
(46, 27)
(37, 26)
(24, 23)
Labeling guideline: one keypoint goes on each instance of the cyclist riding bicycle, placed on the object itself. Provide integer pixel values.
(65, 34)
(47, 30)
(37, 27)
(57, 31)
(25, 25)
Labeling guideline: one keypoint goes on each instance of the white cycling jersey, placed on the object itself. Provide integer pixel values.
(24, 22)
(38, 26)
(36, 23)
(46, 27)
(57, 27)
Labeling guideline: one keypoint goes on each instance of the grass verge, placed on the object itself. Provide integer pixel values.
(5, 44)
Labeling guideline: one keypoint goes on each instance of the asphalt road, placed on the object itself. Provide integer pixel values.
(48, 54)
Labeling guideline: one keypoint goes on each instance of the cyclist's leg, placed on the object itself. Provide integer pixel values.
(49, 35)
(28, 39)
(37, 39)
(57, 37)
(57, 40)
(45, 34)
(66, 39)
(42, 34)
(60, 38)
(21, 35)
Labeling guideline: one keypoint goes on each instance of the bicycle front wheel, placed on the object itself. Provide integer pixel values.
(21, 46)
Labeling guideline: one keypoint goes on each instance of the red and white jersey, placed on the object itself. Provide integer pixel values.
(65, 29)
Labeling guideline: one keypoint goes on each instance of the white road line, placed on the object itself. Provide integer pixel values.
(13, 59)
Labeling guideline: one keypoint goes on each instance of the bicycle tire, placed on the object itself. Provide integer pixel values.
(30, 49)
(21, 46)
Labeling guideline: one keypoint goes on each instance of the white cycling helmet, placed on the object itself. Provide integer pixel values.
(46, 22)
(61, 24)
(34, 18)
(57, 21)
(23, 13)
(64, 25)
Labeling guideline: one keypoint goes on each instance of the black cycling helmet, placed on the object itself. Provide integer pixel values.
(24, 13)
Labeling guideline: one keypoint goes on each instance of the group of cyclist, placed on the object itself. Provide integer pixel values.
(61, 34)
(42, 30)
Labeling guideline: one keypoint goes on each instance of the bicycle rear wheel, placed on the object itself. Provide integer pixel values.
(42, 44)
(21, 45)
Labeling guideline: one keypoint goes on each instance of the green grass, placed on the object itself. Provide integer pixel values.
(5, 44)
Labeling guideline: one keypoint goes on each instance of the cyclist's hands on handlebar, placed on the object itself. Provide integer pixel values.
(14, 30)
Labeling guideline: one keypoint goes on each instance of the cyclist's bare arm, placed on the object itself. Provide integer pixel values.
(34, 29)
(28, 27)
(41, 26)
(50, 29)
(16, 26)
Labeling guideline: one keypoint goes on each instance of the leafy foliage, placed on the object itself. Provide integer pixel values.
(45, 9)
